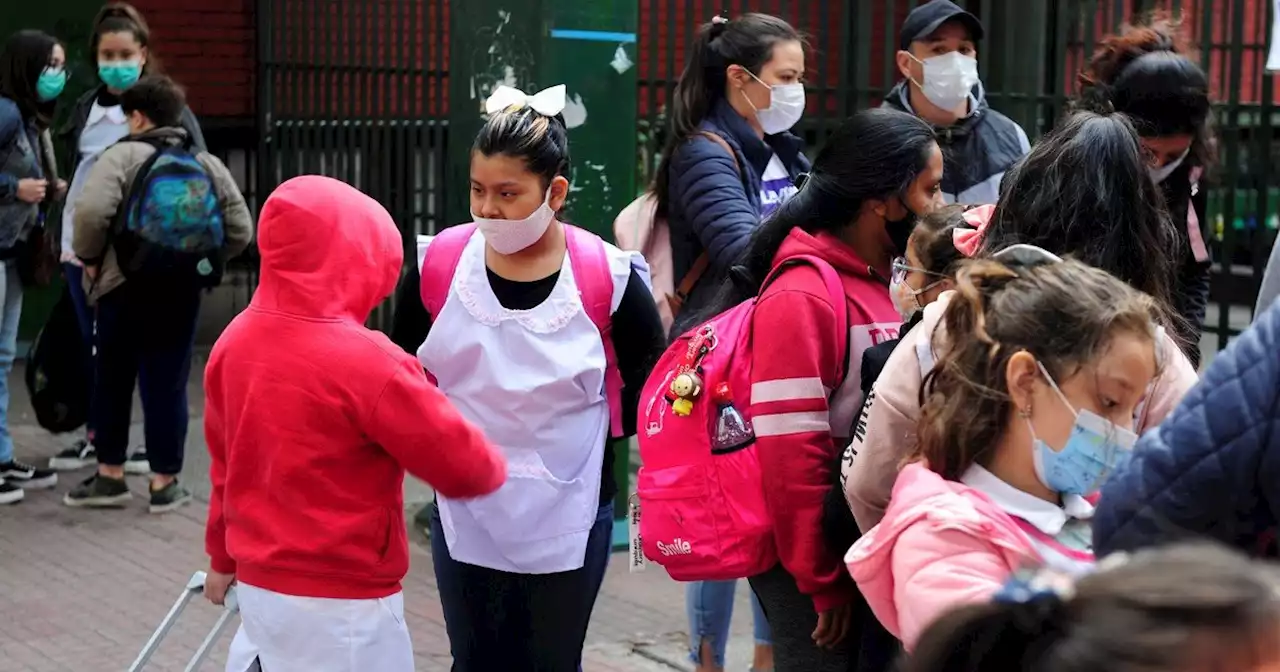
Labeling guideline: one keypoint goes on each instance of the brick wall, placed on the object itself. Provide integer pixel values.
(208, 46)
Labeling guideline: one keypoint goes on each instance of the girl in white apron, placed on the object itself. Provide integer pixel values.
(541, 334)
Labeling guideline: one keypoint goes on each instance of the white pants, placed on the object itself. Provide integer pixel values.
(310, 634)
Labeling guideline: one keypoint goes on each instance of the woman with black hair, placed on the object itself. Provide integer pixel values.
(31, 77)
(120, 52)
(877, 173)
(730, 158)
(1090, 170)
(1148, 73)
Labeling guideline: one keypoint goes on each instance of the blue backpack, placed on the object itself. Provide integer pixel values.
(170, 226)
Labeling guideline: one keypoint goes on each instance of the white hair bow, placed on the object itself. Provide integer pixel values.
(547, 102)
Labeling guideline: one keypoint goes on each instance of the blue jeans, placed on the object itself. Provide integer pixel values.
(709, 605)
(84, 315)
(503, 621)
(10, 313)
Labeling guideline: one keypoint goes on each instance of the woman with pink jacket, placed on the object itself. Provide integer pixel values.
(1084, 192)
(1030, 408)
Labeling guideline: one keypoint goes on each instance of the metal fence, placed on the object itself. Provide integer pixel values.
(359, 90)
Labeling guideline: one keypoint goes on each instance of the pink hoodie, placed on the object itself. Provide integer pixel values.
(886, 434)
(941, 544)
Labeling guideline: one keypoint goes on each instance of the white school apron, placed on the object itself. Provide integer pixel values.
(533, 380)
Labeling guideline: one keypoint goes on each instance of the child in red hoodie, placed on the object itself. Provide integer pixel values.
(312, 421)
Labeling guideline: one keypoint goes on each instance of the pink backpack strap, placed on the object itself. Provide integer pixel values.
(835, 290)
(590, 264)
(438, 266)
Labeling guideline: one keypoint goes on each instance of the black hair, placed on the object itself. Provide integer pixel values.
(1084, 191)
(1180, 608)
(875, 154)
(1148, 72)
(523, 133)
(26, 54)
(158, 98)
(746, 41)
(122, 17)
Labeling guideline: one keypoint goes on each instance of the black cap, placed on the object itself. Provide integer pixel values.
(924, 20)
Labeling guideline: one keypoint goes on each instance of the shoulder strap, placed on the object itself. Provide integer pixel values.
(835, 291)
(703, 262)
(439, 265)
(590, 264)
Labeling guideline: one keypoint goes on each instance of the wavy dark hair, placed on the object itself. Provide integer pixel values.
(875, 154)
(746, 41)
(1149, 72)
(1174, 609)
(26, 54)
(1084, 191)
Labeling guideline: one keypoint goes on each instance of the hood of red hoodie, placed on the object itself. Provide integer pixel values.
(829, 248)
(328, 251)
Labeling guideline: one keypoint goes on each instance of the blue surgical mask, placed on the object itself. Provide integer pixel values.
(120, 75)
(1095, 448)
(51, 83)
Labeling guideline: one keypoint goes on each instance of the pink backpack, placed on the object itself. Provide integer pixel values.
(590, 265)
(702, 509)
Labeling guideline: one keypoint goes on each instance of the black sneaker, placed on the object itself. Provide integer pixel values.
(10, 493)
(98, 492)
(137, 463)
(76, 457)
(26, 476)
(169, 497)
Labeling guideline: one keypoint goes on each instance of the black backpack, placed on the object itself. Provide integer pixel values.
(58, 376)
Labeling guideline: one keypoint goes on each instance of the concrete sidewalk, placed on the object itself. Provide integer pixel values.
(81, 591)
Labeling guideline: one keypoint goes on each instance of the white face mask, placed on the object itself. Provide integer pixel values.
(786, 106)
(948, 79)
(508, 236)
(1163, 172)
(905, 299)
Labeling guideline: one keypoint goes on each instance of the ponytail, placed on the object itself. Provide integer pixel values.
(746, 41)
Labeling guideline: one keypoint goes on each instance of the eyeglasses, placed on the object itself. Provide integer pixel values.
(901, 267)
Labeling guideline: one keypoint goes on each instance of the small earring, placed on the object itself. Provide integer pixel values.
(1026, 412)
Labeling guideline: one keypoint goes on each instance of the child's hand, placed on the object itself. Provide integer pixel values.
(833, 626)
(216, 586)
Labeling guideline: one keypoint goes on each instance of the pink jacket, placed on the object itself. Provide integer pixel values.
(887, 428)
(941, 544)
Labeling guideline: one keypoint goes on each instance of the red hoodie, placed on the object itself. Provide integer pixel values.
(800, 423)
(312, 419)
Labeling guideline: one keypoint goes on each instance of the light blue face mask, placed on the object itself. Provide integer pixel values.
(1095, 449)
(51, 83)
(119, 75)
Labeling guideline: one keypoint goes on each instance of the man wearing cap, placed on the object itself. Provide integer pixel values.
(941, 86)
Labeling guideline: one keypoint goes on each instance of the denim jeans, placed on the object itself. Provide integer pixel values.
(10, 313)
(504, 621)
(709, 605)
(84, 315)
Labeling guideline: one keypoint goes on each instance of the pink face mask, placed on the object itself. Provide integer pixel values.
(508, 236)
